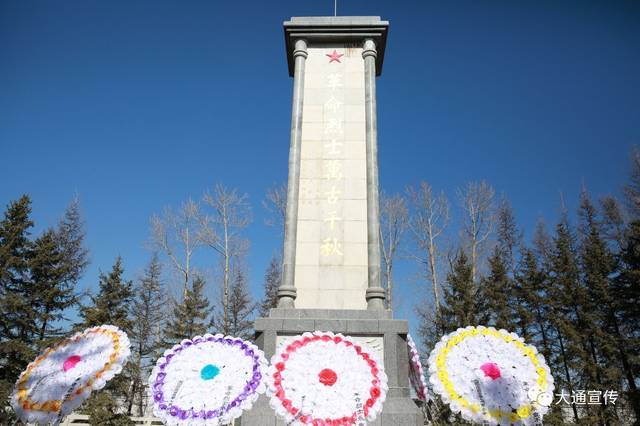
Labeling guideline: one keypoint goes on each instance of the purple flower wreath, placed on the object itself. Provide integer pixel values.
(207, 380)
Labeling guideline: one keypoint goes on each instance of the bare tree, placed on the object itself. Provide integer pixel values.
(221, 231)
(275, 202)
(477, 202)
(393, 224)
(429, 218)
(176, 234)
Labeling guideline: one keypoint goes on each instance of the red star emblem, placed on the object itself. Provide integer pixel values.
(335, 56)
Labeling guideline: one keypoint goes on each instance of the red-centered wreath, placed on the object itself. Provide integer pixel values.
(326, 379)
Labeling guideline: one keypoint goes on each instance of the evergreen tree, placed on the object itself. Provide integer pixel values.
(613, 223)
(105, 409)
(462, 306)
(70, 235)
(191, 316)
(497, 288)
(18, 326)
(531, 312)
(625, 287)
(597, 265)
(241, 308)
(565, 297)
(509, 237)
(497, 292)
(147, 313)
(272, 279)
(626, 294)
(50, 294)
(632, 188)
(627, 284)
(110, 306)
(57, 262)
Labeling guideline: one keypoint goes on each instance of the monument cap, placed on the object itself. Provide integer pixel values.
(336, 29)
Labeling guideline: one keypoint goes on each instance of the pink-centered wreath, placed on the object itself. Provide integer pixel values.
(326, 379)
(66, 373)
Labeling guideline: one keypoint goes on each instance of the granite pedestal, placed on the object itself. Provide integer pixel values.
(398, 409)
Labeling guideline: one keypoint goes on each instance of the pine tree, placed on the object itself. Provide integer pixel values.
(57, 262)
(147, 313)
(531, 312)
(110, 306)
(534, 310)
(191, 316)
(105, 408)
(461, 307)
(626, 294)
(509, 237)
(272, 279)
(565, 297)
(241, 308)
(51, 295)
(497, 288)
(625, 287)
(497, 292)
(70, 235)
(597, 266)
(18, 326)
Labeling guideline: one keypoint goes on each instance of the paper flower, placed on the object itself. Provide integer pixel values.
(492, 376)
(325, 378)
(64, 375)
(416, 374)
(208, 380)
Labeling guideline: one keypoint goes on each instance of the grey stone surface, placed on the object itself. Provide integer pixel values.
(375, 294)
(287, 290)
(398, 408)
(401, 412)
(347, 321)
(362, 326)
(398, 326)
(269, 339)
(300, 325)
(338, 29)
(332, 20)
(329, 313)
(268, 324)
(260, 414)
(391, 346)
(330, 324)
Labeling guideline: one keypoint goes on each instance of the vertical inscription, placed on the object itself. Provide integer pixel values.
(333, 173)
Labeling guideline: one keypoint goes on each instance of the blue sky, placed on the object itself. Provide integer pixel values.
(137, 105)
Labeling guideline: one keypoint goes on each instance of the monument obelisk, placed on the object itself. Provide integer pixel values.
(331, 259)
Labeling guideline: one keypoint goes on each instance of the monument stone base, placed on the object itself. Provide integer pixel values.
(387, 337)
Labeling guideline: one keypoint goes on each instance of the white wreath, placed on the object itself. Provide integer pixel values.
(321, 375)
(65, 374)
(491, 376)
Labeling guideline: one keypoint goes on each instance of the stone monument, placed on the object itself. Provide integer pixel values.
(331, 261)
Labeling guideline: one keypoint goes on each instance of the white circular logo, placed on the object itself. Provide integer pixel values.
(541, 398)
